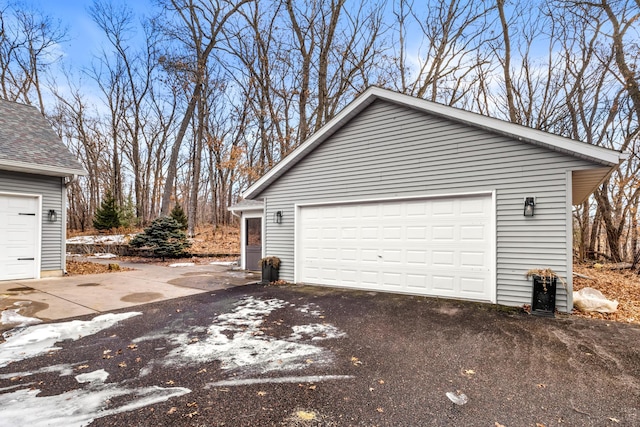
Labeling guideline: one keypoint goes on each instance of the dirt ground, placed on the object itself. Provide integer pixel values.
(620, 285)
(208, 240)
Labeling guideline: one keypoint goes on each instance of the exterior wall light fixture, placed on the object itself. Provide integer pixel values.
(277, 217)
(529, 206)
(53, 215)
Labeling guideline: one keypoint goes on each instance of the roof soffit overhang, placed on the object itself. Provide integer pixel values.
(35, 169)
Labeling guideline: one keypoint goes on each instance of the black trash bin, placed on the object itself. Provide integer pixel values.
(544, 296)
(270, 269)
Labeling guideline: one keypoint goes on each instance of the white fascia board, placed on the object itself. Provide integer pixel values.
(245, 208)
(599, 155)
(13, 166)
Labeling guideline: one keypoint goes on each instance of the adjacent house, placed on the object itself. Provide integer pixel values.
(404, 195)
(35, 168)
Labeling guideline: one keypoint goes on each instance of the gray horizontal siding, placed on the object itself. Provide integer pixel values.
(391, 151)
(50, 188)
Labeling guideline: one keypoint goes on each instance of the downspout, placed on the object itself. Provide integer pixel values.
(72, 178)
(68, 180)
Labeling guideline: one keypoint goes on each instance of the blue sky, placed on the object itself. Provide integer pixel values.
(84, 37)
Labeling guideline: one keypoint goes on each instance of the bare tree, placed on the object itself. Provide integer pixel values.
(451, 57)
(198, 24)
(28, 41)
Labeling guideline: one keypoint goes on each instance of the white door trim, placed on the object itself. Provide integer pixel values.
(492, 261)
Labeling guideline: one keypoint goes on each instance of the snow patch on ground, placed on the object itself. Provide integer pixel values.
(12, 317)
(182, 264)
(103, 255)
(105, 240)
(33, 341)
(224, 263)
(311, 309)
(99, 376)
(80, 407)
(65, 369)
(279, 380)
(316, 332)
(237, 340)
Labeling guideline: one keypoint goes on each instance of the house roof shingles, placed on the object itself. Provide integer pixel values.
(29, 144)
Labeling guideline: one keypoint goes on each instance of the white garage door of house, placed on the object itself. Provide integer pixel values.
(19, 225)
(436, 247)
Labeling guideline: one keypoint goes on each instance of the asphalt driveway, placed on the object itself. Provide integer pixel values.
(307, 356)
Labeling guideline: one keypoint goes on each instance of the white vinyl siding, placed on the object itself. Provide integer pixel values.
(53, 233)
(390, 151)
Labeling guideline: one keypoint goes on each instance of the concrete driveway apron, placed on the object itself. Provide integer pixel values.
(63, 297)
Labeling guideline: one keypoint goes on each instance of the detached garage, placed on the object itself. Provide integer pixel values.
(404, 195)
(35, 168)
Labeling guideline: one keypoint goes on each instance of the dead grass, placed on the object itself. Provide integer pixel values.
(216, 241)
(620, 285)
(77, 268)
(208, 240)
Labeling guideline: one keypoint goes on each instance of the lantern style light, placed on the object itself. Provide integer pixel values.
(529, 206)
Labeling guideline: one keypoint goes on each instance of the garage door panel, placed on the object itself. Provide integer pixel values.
(472, 285)
(472, 259)
(417, 257)
(394, 280)
(416, 232)
(440, 247)
(443, 283)
(472, 207)
(443, 233)
(392, 256)
(391, 233)
(418, 282)
(369, 277)
(19, 235)
(443, 259)
(443, 208)
(392, 210)
(473, 233)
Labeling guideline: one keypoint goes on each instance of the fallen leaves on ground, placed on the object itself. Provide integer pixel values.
(620, 285)
(306, 415)
(78, 268)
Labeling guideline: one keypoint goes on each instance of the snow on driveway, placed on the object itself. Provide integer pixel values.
(239, 340)
(33, 341)
(77, 408)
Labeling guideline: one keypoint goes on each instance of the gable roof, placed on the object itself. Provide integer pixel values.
(29, 144)
(604, 159)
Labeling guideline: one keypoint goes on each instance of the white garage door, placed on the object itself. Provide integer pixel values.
(439, 247)
(19, 225)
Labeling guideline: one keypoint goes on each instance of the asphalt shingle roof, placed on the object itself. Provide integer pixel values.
(29, 144)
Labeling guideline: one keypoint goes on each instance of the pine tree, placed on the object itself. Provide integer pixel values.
(164, 238)
(178, 214)
(128, 212)
(107, 216)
